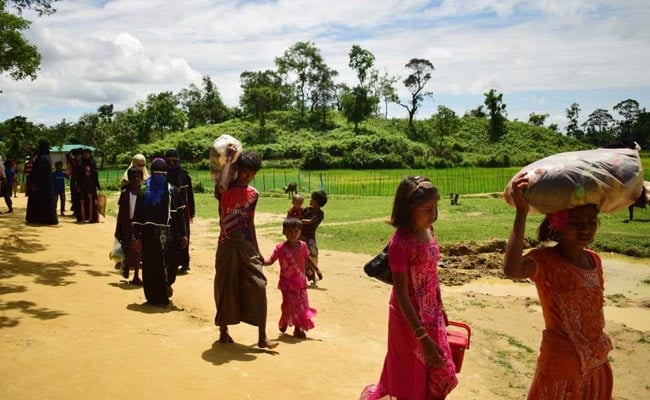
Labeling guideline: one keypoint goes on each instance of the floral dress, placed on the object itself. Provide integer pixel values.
(405, 375)
(293, 284)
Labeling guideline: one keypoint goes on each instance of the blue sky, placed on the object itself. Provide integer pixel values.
(542, 55)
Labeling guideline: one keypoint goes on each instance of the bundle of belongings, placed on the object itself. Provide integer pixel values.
(218, 155)
(610, 178)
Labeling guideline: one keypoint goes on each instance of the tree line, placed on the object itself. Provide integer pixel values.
(302, 86)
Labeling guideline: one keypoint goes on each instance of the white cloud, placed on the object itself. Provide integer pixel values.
(122, 51)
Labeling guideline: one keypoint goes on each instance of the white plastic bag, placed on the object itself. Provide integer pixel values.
(117, 254)
(610, 178)
(218, 155)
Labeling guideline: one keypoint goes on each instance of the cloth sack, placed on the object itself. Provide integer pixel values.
(379, 267)
(612, 179)
(218, 155)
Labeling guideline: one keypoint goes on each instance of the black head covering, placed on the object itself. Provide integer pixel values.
(43, 147)
(171, 153)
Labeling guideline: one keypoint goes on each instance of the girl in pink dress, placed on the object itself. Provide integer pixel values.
(418, 363)
(293, 255)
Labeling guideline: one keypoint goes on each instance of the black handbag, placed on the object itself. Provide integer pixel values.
(379, 268)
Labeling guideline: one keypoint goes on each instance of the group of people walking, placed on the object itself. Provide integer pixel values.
(153, 227)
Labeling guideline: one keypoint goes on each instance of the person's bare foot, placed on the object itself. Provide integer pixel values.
(224, 337)
(300, 334)
(267, 344)
(282, 328)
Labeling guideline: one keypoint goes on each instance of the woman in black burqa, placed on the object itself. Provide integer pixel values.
(41, 206)
(159, 231)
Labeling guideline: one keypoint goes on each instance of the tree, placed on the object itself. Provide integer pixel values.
(573, 128)
(361, 61)
(597, 127)
(301, 66)
(446, 121)
(203, 106)
(263, 92)
(477, 112)
(340, 89)
(16, 133)
(537, 119)
(383, 87)
(358, 106)
(629, 110)
(162, 113)
(415, 83)
(496, 110)
(323, 94)
(18, 57)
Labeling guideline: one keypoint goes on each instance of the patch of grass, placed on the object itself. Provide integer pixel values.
(516, 343)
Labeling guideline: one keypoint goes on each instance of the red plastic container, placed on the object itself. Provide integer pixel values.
(459, 342)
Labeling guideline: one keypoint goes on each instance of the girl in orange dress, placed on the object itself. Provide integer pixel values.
(572, 363)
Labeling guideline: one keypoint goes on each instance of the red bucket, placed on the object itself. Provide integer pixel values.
(459, 342)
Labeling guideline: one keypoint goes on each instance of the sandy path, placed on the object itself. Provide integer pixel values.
(72, 328)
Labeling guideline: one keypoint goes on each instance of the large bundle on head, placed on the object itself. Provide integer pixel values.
(610, 178)
(218, 155)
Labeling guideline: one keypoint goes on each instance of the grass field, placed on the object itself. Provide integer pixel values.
(357, 223)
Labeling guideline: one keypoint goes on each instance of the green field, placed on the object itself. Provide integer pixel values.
(356, 223)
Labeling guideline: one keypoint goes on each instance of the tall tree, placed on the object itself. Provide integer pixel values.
(629, 110)
(383, 88)
(497, 111)
(203, 105)
(598, 127)
(323, 94)
(163, 114)
(446, 122)
(415, 82)
(300, 66)
(361, 61)
(18, 57)
(263, 92)
(573, 128)
(16, 133)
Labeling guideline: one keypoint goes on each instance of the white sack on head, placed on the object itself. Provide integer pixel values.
(612, 179)
(218, 155)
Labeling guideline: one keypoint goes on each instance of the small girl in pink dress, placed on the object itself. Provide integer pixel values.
(293, 255)
(418, 364)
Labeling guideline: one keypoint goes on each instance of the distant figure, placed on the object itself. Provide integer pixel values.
(178, 177)
(291, 188)
(41, 208)
(89, 184)
(8, 185)
(123, 226)
(58, 180)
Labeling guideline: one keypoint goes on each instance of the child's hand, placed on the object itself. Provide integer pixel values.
(520, 182)
(184, 242)
(433, 355)
(233, 152)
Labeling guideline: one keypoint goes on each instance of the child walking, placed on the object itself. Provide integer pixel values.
(124, 228)
(312, 216)
(293, 255)
(418, 363)
(572, 363)
(239, 283)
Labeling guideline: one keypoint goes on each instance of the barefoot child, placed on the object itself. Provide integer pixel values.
(123, 225)
(572, 362)
(418, 364)
(293, 256)
(239, 283)
(312, 216)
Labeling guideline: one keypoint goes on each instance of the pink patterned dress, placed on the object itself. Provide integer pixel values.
(405, 375)
(293, 284)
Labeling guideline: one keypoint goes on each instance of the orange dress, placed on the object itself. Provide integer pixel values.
(572, 364)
